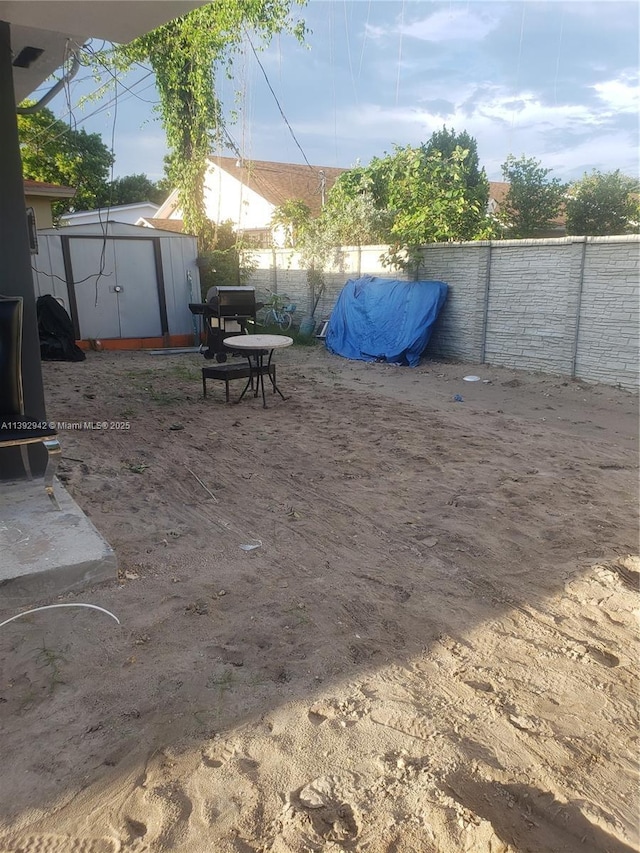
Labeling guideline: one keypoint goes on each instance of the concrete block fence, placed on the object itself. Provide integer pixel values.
(568, 306)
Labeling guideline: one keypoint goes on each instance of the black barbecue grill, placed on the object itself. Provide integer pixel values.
(226, 312)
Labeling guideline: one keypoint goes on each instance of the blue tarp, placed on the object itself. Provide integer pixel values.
(381, 319)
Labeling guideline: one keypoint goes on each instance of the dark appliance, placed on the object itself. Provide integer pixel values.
(227, 312)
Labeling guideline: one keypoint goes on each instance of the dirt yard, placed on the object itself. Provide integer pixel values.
(432, 649)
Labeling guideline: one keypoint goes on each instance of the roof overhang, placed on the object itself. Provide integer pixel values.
(37, 188)
(49, 26)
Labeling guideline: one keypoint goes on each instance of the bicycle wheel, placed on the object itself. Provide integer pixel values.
(285, 320)
(271, 318)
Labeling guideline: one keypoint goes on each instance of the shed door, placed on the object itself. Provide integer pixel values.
(138, 305)
(122, 301)
(97, 307)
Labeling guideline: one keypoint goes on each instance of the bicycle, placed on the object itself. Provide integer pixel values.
(279, 312)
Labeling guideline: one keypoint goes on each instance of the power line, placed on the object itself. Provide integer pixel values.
(346, 33)
(275, 97)
(95, 112)
(364, 40)
(400, 53)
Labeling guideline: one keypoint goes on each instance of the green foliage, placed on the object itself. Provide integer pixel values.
(429, 197)
(185, 55)
(292, 217)
(427, 194)
(433, 193)
(603, 203)
(132, 188)
(227, 262)
(55, 153)
(533, 200)
(473, 219)
(356, 211)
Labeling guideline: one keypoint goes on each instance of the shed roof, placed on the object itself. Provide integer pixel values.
(110, 229)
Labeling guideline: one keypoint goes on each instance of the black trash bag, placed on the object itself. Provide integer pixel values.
(57, 338)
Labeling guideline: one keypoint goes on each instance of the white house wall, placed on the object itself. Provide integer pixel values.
(226, 198)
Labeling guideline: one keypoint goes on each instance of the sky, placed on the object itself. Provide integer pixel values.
(555, 81)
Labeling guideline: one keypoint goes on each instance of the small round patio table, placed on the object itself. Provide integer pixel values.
(256, 348)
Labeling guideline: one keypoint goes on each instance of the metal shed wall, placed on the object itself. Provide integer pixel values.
(120, 281)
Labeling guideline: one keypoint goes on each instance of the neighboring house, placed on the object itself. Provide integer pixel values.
(175, 225)
(247, 192)
(497, 194)
(40, 196)
(127, 213)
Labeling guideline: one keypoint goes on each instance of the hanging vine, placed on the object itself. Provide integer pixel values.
(186, 55)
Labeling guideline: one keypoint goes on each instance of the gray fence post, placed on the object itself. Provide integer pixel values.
(574, 355)
(485, 303)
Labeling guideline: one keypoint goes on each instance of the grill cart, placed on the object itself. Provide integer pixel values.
(226, 312)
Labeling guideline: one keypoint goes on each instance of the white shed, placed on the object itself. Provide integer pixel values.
(121, 283)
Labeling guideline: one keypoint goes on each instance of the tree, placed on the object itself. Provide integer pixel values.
(185, 55)
(56, 153)
(533, 200)
(292, 217)
(132, 188)
(603, 203)
(431, 193)
(446, 141)
(226, 262)
(356, 213)
(428, 193)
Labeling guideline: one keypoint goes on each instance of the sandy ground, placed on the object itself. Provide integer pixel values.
(432, 650)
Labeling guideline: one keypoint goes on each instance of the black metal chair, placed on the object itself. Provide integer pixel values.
(17, 427)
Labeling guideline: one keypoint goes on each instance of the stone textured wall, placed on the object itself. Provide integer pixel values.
(608, 332)
(567, 306)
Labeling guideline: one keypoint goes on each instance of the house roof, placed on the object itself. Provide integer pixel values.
(280, 182)
(175, 225)
(41, 188)
(498, 190)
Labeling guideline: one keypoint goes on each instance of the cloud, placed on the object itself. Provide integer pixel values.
(568, 137)
(621, 94)
(445, 25)
(451, 25)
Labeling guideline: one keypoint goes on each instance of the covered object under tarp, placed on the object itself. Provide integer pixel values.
(381, 319)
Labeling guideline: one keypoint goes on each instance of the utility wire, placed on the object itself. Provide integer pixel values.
(517, 79)
(400, 53)
(346, 33)
(555, 79)
(95, 112)
(333, 84)
(364, 40)
(88, 50)
(275, 97)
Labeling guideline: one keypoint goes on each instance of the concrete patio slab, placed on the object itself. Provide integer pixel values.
(45, 552)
